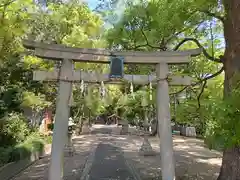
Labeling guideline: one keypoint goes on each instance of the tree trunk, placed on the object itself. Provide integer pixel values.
(230, 169)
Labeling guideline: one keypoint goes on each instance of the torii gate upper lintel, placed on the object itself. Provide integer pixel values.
(58, 52)
(68, 55)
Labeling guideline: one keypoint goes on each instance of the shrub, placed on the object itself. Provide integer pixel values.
(33, 143)
(13, 130)
(223, 122)
(5, 154)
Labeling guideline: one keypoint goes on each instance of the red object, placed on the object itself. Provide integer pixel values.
(47, 119)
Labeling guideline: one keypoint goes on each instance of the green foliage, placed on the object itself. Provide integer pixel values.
(37, 103)
(32, 143)
(189, 114)
(11, 98)
(16, 139)
(162, 19)
(134, 106)
(159, 26)
(223, 122)
(71, 23)
(14, 129)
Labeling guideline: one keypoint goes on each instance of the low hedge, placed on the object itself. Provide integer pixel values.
(33, 143)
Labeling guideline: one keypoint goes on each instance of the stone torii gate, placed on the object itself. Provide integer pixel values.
(67, 75)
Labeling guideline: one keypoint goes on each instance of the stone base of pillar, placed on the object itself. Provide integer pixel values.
(146, 148)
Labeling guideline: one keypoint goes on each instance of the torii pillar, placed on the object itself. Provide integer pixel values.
(61, 124)
(164, 123)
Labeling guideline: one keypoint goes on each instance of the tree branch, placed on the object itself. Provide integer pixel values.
(219, 60)
(200, 94)
(7, 3)
(211, 14)
(183, 30)
(147, 42)
(138, 46)
(200, 81)
(79, 109)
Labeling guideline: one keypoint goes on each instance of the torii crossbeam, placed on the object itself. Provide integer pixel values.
(67, 75)
(94, 77)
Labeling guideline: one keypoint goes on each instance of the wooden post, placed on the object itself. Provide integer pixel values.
(164, 124)
(61, 122)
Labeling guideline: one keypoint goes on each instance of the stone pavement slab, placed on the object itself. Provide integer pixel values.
(109, 163)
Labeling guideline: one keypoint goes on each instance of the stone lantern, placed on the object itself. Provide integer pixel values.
(69, 148)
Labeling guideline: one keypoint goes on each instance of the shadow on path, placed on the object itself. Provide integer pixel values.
(193, 160)
(109, 164)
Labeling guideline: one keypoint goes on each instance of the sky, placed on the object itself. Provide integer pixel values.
(92, 3)
(118, 10)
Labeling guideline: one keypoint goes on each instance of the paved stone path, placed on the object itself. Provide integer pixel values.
(109, 163)
(105, 155)
(96, 158)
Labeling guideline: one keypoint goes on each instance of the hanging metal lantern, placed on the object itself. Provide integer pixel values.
(116, 67)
